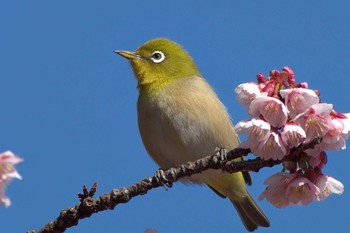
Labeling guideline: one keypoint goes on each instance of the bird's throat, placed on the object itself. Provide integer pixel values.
(152, 85)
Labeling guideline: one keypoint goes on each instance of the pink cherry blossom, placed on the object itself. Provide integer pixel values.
(293, 135)
(299, 99)
(327, 186)
(246, 93)
(336, 127)
(333, 143)
(338, 132)
(285, 189)
(301, 191)
(272, 109)
(315, 120)
(288, 114)
(271, 148)
(7, 173)
(345, 119)
(275, 191)
(257, 129)
(7, 170)
(261, 141)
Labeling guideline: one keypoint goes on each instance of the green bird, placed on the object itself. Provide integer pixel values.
(181, 119)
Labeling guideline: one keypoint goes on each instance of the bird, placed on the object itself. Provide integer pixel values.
(181, 119)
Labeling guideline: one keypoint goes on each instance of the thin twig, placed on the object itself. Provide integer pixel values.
(69, 217)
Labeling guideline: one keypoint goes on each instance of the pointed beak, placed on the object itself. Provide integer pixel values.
(127, 54)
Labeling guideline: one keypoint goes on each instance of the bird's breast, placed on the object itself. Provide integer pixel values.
(185, 122)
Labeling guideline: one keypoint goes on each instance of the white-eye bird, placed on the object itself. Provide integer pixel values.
(181, 119)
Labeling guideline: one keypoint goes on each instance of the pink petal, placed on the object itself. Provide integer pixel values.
(293, 135)
(246, 93)
(328, 186)
(299, 99)
(4, 202)
(322, 108)
(9, 157)
(7, 173)
(275, 191)
(333, 143)
(272, 109)
(256, 128)
(315, 120)
(301, 191)
(272, 148)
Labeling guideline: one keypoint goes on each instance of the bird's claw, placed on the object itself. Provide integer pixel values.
(222, 153)
(162, 179)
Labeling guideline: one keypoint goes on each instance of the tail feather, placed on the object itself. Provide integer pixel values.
(249, 224)
(233, 187)
(250, 213)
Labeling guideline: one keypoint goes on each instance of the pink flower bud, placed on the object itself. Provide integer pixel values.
(269, 88)
(261, 78)
(275, 75)
(290, 74)
(302, 85)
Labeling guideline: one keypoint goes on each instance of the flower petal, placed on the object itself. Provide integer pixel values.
(272, 109)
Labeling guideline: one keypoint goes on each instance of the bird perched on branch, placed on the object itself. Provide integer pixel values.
(181, 119)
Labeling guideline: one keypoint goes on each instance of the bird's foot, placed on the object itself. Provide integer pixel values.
(162, 179)
(222, 153)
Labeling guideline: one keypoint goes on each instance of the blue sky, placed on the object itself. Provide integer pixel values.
(69, 103)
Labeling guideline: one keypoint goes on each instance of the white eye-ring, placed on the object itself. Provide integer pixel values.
(157, 56)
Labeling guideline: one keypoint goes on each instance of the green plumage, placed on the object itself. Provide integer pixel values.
(181, 119)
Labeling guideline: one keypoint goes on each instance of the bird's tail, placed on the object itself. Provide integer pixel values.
(232, 186)
(252, 216)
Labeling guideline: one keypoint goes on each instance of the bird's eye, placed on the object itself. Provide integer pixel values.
(157, 56)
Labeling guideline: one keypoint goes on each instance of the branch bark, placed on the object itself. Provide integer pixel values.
(88, 206)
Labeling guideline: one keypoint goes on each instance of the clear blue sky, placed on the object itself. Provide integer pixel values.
(69, 103)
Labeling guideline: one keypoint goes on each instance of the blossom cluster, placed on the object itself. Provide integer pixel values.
(7, 173)
(285, 115)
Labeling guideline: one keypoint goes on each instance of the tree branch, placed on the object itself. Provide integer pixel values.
(69, 217)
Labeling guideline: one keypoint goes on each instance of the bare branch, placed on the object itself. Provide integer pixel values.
(69, 217)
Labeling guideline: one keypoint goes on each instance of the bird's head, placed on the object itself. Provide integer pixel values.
(159, 62)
